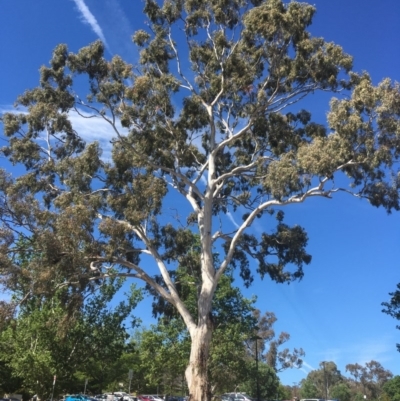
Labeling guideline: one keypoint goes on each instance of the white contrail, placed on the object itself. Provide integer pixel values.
(307, 366)
(231, 218)
(90, 19)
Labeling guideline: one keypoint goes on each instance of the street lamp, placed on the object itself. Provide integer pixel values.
(295, 385)
(256, 338)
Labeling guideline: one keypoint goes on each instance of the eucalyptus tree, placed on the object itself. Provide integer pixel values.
(392, 308)
(369, 379)
(322, 380)
(209, 123)
(269, 344)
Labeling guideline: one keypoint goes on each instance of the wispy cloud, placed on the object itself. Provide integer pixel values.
(90, 19)
(361, 352)
(108, 19)
(308, 366)
(94, 128)
(118, 28)
(89, 127)
(231, 218)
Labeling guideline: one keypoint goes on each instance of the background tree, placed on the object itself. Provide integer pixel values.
(392, 388)
(392, 308)
(268, 382)
(43, 341)
(164, 353)
(109, 330)
(212, 121)
(357, 372)
(234, 322)
(285, 392)
(308, 389)
(8, 383)
(268, 344)
(319, 382)
(369, 379)
(164, 349)
(341, 391)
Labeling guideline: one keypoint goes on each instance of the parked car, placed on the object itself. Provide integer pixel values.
(176, 398)
(143, 398)
(312, 399)
(125, 396)
(154, 397)
(77, 397)
(225, 397)
(238, 396)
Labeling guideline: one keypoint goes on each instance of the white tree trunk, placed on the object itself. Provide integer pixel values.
(196, 372)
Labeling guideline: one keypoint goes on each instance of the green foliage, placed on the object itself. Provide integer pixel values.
(358, 397)
(369, 379)
(268, 382)
(320, 382)
(43, 341)
(164, 355)
(165, 348)
(392, 308)
(341, 391)
(309, 389)
(392, 388)
(8, 383)
(283, 392)
(214, 121)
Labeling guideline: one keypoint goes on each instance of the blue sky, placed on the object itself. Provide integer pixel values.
(334, 313)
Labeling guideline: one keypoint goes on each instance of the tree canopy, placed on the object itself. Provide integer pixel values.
(392, 388)
(207, 127)
(43, 341)
(392, 308)
(367, 380)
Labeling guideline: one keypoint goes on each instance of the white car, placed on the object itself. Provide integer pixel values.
(154, 397)
(239, 396)
(121, 394)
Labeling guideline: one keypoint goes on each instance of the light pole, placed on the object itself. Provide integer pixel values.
(295, 385)
(258, 383)
(130, 376)
(256, 338)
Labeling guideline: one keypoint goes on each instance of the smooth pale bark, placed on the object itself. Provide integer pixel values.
(196, 372)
